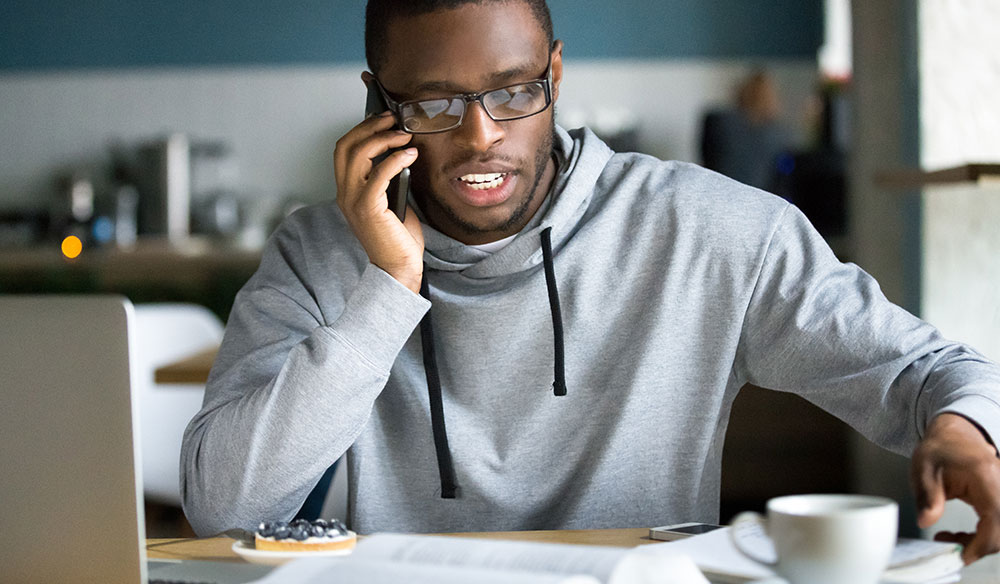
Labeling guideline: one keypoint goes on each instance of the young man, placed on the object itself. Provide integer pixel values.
(594, 315)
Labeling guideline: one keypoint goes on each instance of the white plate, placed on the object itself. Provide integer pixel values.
(276, 558)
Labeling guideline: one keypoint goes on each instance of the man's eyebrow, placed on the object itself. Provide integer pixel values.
(495, 80)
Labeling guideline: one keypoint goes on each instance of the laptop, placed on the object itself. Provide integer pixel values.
(71, 506)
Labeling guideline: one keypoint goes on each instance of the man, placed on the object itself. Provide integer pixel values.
(594, 315)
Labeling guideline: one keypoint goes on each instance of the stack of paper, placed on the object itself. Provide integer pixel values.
(914, 561)
(416, 559)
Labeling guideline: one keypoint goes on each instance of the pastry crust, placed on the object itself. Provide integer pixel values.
(311, 545)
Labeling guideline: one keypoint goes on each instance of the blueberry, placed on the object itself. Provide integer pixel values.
(282, 532)
(300, 534)
(321, 523)
(317, 531)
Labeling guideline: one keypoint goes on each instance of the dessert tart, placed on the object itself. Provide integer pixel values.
(303, 535)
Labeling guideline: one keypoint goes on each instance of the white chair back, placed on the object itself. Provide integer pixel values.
(165, 333)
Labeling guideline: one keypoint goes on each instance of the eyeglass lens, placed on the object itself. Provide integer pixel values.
(508, 103)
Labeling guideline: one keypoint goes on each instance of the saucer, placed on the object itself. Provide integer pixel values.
(276, 558)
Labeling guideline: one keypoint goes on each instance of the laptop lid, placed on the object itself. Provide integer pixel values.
(69, 489)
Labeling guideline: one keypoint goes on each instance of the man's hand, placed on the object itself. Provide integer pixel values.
(395, 247)
(954, 460)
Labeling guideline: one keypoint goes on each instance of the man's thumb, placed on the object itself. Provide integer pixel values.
(928, 487)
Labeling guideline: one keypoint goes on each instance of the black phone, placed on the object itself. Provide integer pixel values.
(399, 185)
(681, 531)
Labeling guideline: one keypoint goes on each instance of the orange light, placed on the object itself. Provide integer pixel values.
(72, 246)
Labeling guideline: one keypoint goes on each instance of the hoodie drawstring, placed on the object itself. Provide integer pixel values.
(446, 468)
(559, 384)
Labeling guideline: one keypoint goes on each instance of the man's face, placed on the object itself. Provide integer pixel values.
(483, 180)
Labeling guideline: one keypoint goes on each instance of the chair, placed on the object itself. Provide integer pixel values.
(165, 333)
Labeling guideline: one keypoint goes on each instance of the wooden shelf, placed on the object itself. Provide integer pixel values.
(916, 178)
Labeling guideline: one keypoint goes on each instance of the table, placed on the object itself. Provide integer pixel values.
(220, 548)
(986, 571)
(191, 369)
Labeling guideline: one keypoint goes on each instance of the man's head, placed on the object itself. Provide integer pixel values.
(379, 13)
(484, 179)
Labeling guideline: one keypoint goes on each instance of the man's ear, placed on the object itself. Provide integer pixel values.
(557, 69)
(366, 77)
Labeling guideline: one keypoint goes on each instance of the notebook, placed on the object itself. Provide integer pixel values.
(70, 493)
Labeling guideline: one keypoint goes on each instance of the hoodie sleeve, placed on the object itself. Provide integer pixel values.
(824, 330)
(291, 389)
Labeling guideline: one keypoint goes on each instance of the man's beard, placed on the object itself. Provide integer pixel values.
(434, 205)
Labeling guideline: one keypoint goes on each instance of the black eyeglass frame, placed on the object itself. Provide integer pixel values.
(395, 106)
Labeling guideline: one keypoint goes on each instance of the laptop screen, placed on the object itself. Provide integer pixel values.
(69, 487)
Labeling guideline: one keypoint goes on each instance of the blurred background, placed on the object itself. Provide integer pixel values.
(149, 148)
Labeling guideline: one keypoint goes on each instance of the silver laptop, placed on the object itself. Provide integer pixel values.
(70, 495)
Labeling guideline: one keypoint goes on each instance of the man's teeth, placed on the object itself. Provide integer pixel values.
(484, 181)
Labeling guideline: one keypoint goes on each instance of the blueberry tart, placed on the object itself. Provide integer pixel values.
(303, 535)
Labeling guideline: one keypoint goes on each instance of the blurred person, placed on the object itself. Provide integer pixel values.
(746, 142)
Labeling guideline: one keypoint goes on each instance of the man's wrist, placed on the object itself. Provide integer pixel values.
(407, 277)
(953, 422)
(411, 281)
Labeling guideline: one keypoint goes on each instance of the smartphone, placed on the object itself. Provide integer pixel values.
(399, 185)
(681, 531)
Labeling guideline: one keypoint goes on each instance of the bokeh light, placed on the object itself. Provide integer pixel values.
(72, 246)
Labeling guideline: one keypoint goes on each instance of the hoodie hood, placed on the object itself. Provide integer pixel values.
(581, 157)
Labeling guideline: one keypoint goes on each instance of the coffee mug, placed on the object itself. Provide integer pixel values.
(821, 539)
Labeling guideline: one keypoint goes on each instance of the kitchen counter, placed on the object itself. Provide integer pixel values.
(200, 271)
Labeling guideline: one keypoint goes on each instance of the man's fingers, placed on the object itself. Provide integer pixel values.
(374, 147)
(382, 173)
(358, 167)
(928, 487)
(960, 537)
(985, 541)
(348, 145)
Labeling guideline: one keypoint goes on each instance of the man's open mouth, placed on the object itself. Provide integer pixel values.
(481, 182)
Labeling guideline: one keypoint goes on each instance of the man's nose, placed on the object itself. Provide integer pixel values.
(478, 130)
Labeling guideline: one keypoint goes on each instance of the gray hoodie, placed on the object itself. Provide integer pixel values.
(677, 286)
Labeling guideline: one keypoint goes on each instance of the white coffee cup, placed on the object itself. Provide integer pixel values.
(822, 539)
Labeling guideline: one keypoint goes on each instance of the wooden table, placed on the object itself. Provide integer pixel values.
(986, 571)
(220, 548)
(191, 369)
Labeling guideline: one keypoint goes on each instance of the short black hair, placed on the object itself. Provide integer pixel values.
(379, 13)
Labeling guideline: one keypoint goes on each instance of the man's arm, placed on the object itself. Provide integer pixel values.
(289, 393)
(824, 330)
(296, 378)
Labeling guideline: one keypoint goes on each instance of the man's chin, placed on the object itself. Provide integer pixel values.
(484, 221)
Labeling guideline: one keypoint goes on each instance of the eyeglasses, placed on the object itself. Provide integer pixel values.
(513, 102)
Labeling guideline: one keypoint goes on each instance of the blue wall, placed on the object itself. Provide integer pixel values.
(75, 34)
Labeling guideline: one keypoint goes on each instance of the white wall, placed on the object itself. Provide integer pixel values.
(960, 123)
(959, 82)
(283, 122)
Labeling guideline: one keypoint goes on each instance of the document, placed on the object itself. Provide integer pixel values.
(394, 558)
(913, 561)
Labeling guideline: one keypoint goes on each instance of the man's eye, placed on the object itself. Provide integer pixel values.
(514, 100)
(431, 108)
(500, 97)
